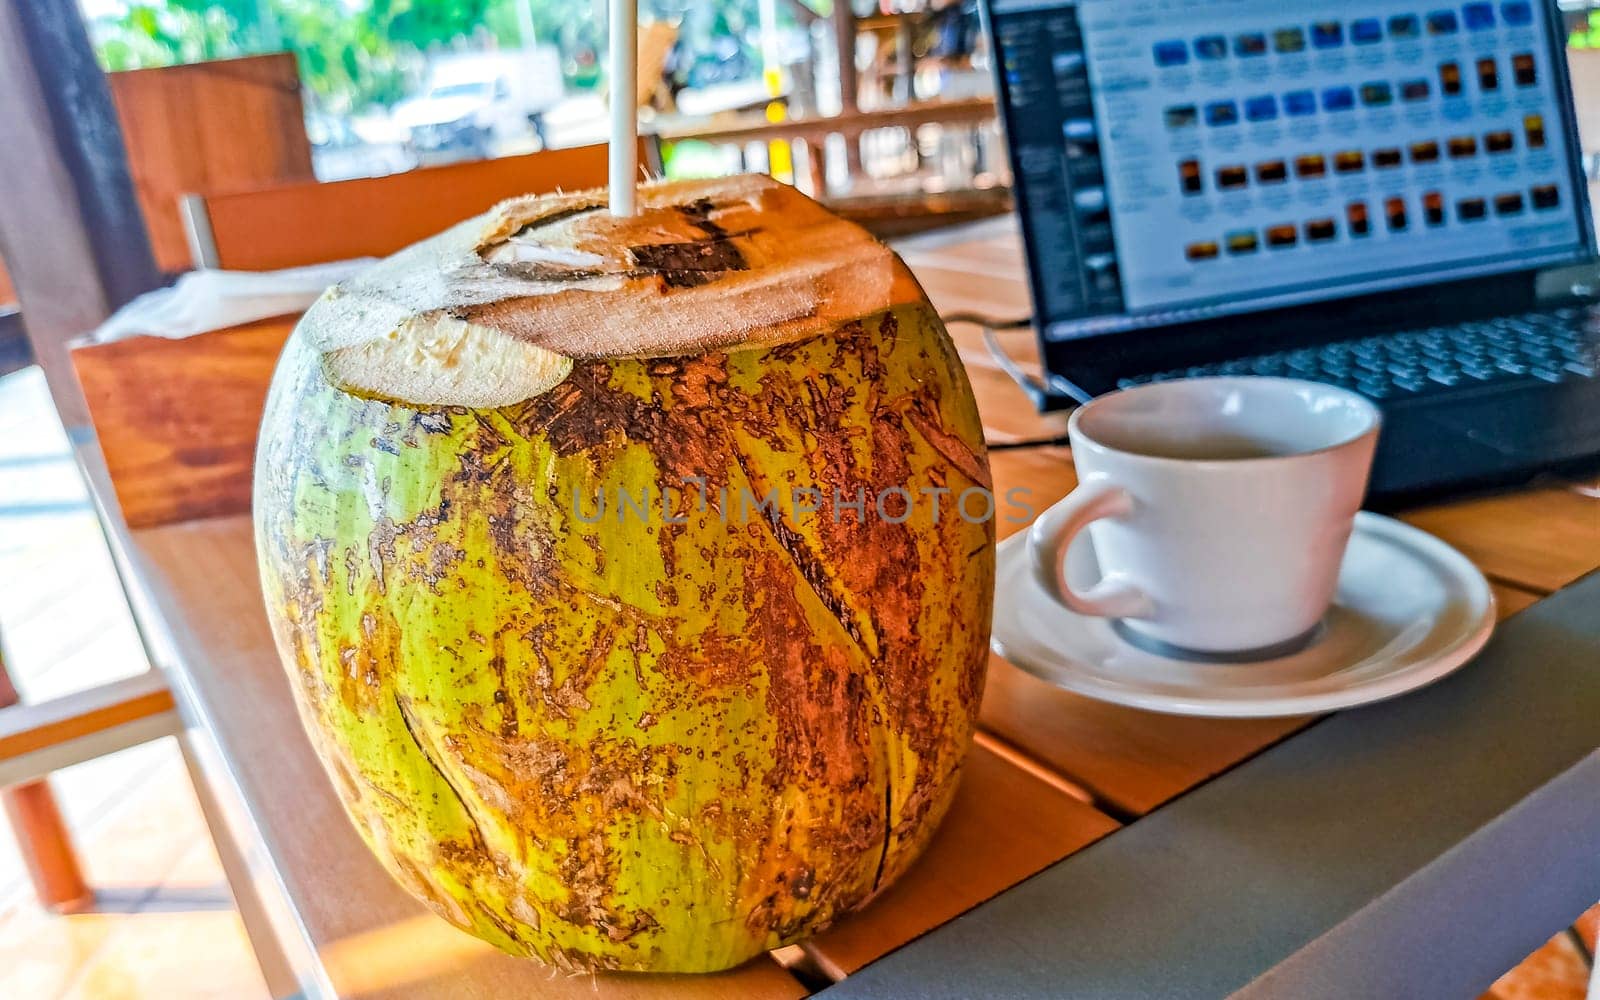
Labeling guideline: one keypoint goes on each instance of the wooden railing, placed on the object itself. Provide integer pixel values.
(756, 128)
(971, 119)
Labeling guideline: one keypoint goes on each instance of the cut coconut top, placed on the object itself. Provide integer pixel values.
(495, 310)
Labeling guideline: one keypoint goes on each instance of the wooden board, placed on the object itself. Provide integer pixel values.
(1028, 480)
(1510, 600)
(973, 267)
(8, 294)
(295, 224)
(205, 128)
(177, 419)
(1005, 825)
(1539, 539)
(990, 288)
(1131, 761)
(372, 938)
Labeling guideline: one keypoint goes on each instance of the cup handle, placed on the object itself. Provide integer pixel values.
(1052, 534)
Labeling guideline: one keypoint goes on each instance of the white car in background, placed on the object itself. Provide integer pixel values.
(340, 149)
(474, 104)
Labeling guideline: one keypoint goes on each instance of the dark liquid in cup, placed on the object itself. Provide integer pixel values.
(1220, 447)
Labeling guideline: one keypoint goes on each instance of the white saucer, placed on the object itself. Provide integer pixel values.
(1409, 610)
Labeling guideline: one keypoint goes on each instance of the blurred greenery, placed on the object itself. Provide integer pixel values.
(1587, 37)
(356, 53)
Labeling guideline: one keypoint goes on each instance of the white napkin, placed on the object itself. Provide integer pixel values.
(211, 300)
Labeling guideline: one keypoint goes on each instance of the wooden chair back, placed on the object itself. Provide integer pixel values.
(289, 225)
(224, 125)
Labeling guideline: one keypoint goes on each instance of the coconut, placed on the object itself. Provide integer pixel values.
(621, 574)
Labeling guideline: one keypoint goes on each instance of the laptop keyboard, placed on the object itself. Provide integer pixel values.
(1540, 347)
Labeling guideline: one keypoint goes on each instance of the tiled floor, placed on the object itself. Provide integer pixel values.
(163, 925)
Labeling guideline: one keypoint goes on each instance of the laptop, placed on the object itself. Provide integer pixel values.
(1385, 196)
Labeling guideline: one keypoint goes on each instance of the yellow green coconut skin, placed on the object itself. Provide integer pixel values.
(637, 744)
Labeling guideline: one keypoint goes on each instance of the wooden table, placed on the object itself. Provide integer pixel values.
(1051, 771)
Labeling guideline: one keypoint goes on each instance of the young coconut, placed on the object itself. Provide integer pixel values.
(618, 568)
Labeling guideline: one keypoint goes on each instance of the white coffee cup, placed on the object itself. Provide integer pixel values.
(1219, 509)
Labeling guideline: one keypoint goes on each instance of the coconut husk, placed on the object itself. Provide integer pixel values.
(495, 310)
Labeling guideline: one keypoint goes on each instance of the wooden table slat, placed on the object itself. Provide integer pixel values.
(1132, 761)
(1538, 539)
(1005, 825)
(1035, 477)
(1007, 414)
(953, 289)
(1509, 600)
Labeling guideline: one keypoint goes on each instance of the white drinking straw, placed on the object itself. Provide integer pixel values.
(624, 113)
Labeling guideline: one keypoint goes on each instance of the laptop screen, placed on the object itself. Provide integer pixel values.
(1183, 160)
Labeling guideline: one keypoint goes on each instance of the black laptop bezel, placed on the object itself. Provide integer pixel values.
(1082, 368)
